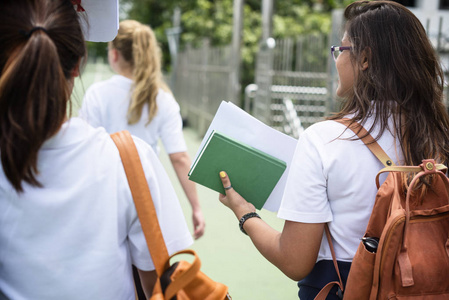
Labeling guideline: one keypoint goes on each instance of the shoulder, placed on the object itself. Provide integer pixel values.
(166, 100)
(168, 108)
(146, 152)
(99, 85)
(325, 125)
(328, 141)
(76, 131)
(110, 85)
(325, 131)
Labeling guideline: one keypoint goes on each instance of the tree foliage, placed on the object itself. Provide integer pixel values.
(213, 20)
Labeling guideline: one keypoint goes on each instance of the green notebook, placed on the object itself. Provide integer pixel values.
(253, 173)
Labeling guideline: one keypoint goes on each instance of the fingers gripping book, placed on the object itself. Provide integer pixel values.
(253, 173)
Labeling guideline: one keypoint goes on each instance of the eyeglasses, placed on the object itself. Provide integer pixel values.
(336, 51)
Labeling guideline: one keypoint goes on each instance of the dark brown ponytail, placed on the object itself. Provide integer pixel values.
(41, 44)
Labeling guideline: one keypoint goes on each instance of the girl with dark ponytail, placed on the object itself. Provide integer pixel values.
(34, 84)
(68, 225)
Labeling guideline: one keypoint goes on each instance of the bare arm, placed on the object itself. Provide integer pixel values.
(148, 280)
(181, 163)
(294, 250)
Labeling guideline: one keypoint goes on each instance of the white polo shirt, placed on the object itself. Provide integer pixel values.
(332, 179)
(77, 237)
(106, 104)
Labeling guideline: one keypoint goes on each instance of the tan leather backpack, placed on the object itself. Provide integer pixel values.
(404, 253)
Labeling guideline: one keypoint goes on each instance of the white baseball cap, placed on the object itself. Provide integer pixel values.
(99, 19)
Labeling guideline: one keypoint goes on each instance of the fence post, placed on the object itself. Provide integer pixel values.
(235, 88)
(264, 80)
(267, 19)
(334, 39)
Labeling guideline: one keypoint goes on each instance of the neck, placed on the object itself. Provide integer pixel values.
(126, 73)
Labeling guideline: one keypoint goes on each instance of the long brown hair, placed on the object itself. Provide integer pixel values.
(41, 43)
(138, 45)
(404, 79)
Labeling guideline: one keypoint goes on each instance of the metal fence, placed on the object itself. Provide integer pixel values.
(295, 80)
(202, 81)
(290, 69)
(295, 70)
(291, 86)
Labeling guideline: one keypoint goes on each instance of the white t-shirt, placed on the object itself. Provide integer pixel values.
(106, 104)
(77, 237)
(332, 180)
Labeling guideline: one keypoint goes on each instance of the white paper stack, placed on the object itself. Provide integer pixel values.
(236, 123)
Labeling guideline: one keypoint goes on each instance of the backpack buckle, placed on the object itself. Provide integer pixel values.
(428, 166)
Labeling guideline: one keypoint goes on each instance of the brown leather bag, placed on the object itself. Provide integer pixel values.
(182, 280)
(412, 256)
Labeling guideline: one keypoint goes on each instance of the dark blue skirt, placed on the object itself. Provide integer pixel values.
(322, 273)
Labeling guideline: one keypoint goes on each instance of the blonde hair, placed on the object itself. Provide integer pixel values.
(138, 45)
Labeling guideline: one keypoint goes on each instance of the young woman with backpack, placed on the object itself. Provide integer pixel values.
(391, 82)
(68, 225)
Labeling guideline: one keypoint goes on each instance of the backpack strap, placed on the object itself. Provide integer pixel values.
(322, 295)
(142, 199)
(411, 169)
(368, 140)
(152, 231)
(375, 148)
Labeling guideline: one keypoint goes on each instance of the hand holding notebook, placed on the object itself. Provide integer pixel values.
(241, 126)
(254, 173)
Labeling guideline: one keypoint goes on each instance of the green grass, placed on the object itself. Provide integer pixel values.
(227, 255)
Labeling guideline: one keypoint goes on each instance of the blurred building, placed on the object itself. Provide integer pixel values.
(434, 15)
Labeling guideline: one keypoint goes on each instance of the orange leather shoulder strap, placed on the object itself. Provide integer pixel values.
(142, 199)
